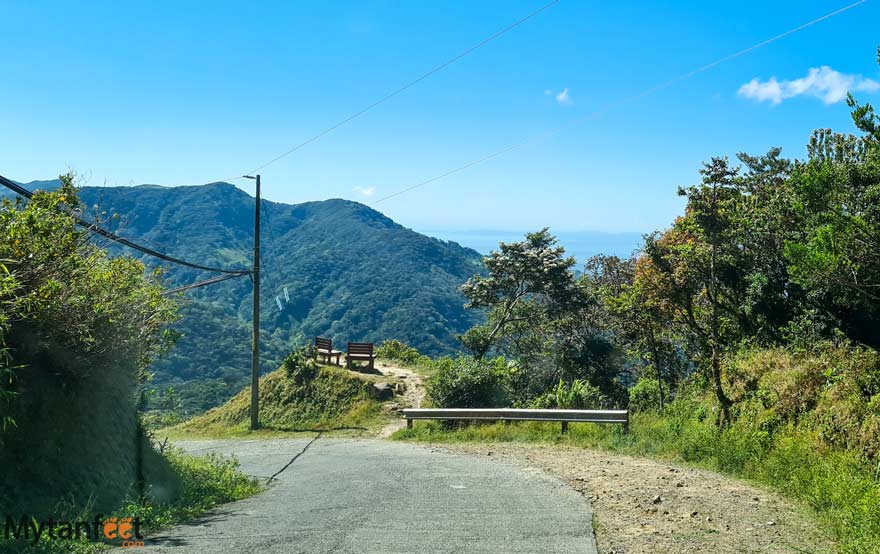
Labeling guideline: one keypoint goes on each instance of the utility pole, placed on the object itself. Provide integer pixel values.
(255, 347)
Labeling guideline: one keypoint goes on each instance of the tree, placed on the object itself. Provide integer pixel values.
(837, 196)
(542, 317)
(66, 307)
(838, 257)
(527, 282)
(863, 115)
(694, 275)
(632, 315)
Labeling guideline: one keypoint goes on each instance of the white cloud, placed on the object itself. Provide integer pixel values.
(822, 82)
(366, 191)
(564, 97)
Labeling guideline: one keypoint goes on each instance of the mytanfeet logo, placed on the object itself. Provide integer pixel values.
(124, 530)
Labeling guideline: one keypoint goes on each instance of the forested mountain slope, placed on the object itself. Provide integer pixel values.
(351, 273)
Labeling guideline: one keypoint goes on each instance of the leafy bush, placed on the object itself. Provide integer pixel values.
(467, 383)
(398, 351)
(831, 390)
(644, 396)
(81, 328)
(579, 395)
(300, 365)
(476, 340)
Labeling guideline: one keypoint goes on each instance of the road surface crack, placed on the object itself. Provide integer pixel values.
(301, 452)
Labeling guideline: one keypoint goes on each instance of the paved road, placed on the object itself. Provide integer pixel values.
(370, 497)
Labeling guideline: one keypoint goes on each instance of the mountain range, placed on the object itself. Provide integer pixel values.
(350, 274)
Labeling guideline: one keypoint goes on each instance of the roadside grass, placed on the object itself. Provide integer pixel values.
(843, 491)
(205, 482)
(239, 431)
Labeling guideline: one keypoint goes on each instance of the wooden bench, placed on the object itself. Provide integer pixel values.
(516, 414)
(360, 351)
(324, 347)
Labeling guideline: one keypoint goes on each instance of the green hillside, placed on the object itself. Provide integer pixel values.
(352, 274)
(333, 399)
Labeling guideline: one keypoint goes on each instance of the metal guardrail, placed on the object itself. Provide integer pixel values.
(514, 414)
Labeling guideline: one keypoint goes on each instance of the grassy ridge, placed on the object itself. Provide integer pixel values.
(335, 399)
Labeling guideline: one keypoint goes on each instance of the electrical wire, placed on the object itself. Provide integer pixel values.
(401, 89)
(204, 283)
(612, 105)
(18, 189)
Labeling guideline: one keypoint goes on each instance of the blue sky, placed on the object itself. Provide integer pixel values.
(187, 93)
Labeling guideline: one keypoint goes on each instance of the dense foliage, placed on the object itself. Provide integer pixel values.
(470, 383)
(80, 329)
(541, 316)
(61, 292)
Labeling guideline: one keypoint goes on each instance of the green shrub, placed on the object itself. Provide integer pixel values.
(300, 365)
(398, 351)
(476, 340)
(468, 383)
(644, 396)
(832, 390)
(579, 395)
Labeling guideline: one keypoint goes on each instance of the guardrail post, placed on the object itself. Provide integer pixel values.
(409, 423)
(626, 424)
(565, 427)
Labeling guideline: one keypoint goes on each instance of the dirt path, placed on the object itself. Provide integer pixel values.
(413, 394)
(648, 506)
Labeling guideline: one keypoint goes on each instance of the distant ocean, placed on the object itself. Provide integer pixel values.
(580, 244)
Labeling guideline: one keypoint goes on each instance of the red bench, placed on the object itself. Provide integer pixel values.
(324, 347)
(360, 351)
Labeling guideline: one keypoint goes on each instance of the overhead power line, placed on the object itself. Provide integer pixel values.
(408, 85)
(18, 189)
(612, 105)
(204, 283)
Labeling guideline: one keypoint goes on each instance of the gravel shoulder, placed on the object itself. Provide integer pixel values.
(646, 506)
